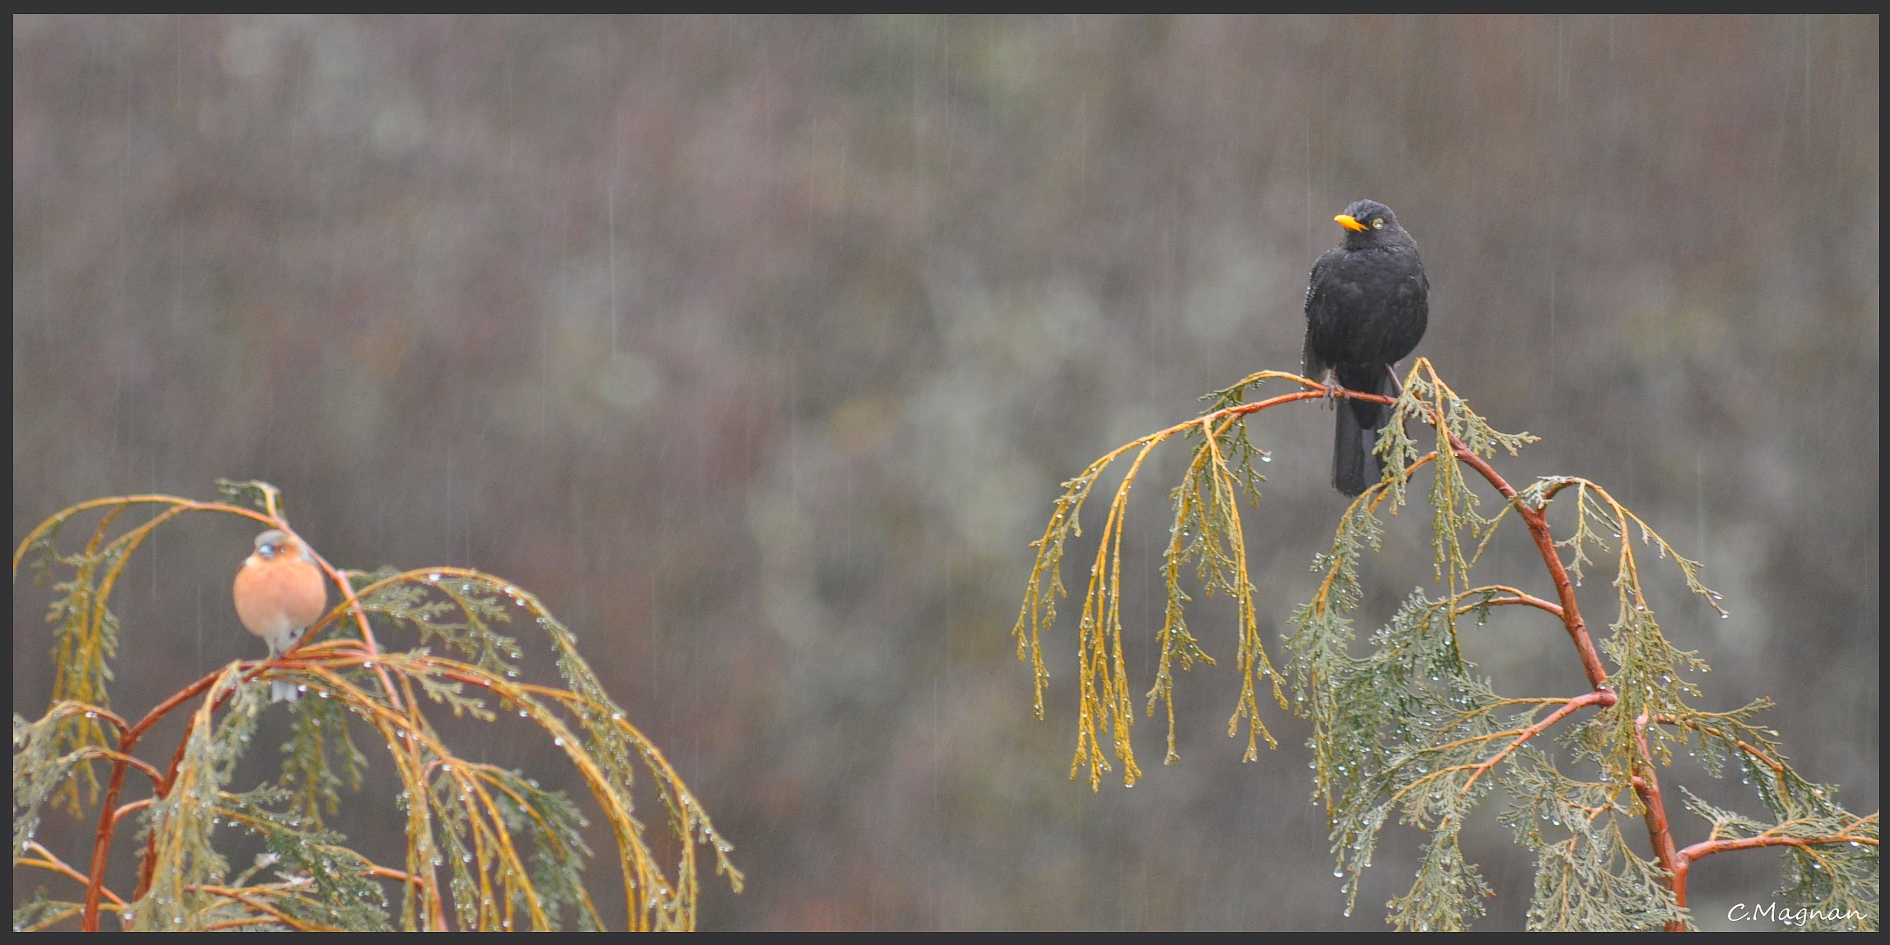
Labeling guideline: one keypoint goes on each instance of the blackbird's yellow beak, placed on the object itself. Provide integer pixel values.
(1349, 223)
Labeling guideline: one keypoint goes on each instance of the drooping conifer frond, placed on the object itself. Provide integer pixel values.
(1206, 533)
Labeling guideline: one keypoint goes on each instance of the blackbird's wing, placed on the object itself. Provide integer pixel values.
(1410, 312)
(1316, 366)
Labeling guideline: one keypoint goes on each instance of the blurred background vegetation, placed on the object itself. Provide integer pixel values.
(757, 348)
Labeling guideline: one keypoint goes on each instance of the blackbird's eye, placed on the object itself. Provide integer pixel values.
(1378, 223)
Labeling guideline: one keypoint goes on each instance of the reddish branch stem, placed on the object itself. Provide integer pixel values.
(1524, 599)
(102, 842)
(1710, 847)
(1260, 405)
(107, 815)
(1538, 524)
(1659, 832)
(130, 808)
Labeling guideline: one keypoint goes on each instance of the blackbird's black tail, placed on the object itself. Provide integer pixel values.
(1355, 467)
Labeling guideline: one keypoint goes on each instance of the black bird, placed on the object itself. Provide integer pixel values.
(1366, 308)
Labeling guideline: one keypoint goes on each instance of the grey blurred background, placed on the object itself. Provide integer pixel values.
(758, 347)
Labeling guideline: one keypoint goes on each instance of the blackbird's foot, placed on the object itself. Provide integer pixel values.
(1330, 380)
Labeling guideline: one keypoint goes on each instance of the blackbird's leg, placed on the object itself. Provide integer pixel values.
(1330, 379)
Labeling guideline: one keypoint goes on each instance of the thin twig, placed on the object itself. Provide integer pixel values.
(51, 861)
(1601, 697)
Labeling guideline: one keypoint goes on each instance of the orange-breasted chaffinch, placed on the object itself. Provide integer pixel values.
(279, 592)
